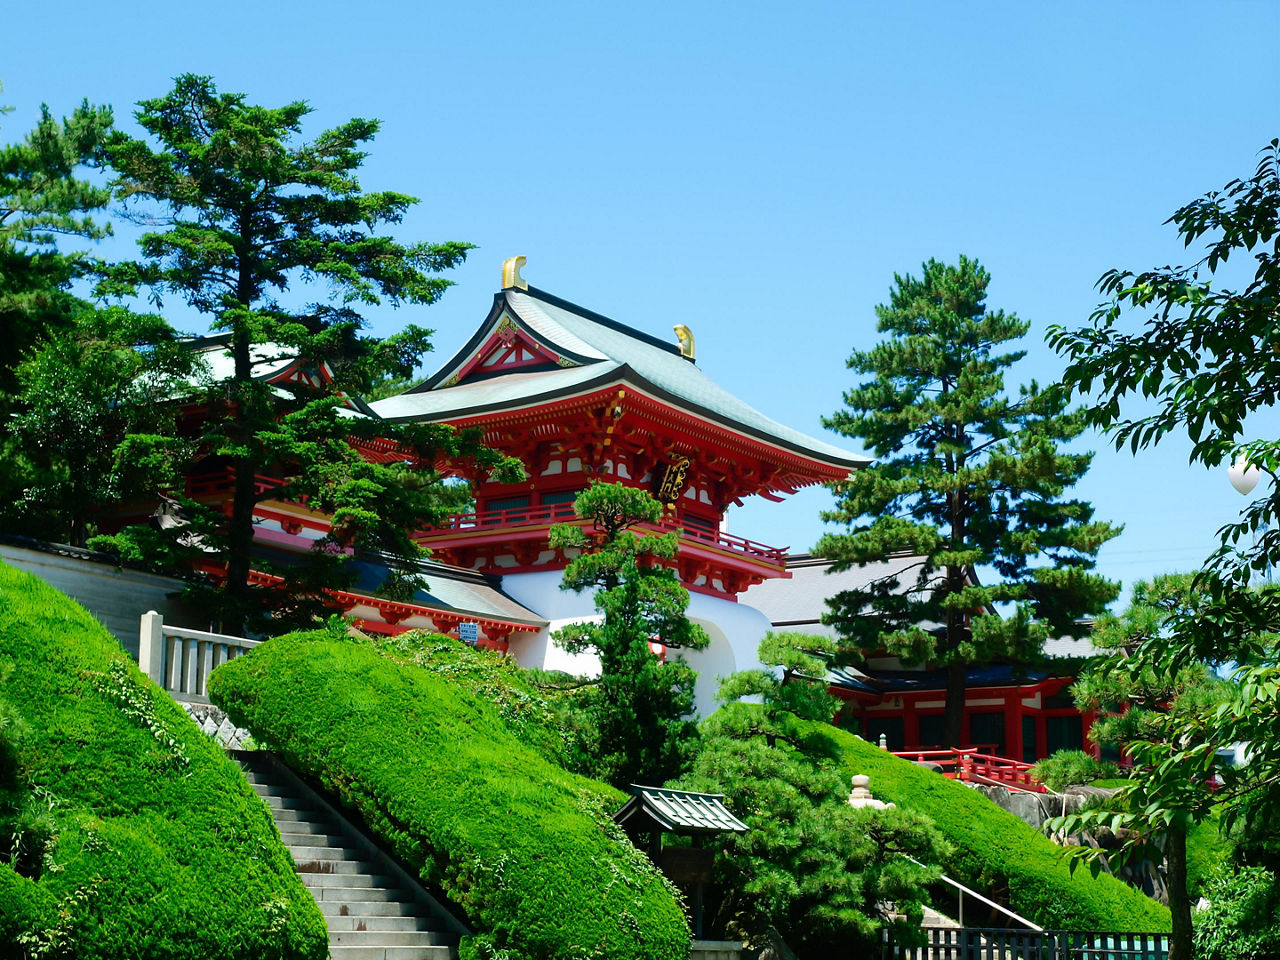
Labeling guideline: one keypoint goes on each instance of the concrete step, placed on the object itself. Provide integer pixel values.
(367, 908)
(301, 852)
(386, 938)
(347, 880)
(319, 827)
(389, 953)
(332, 865)
(330, 838)
(300, 816)
(370, 915)
(386, 924)
(362, 894)
(286, 803)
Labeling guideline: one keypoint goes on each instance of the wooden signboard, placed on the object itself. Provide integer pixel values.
(686, 865)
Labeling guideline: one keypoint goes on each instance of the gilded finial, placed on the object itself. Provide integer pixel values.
(685, 335)
(511, 273)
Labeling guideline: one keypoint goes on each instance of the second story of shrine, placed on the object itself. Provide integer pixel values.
(579, 397)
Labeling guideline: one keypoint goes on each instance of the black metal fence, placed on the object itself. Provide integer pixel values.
(969, 943)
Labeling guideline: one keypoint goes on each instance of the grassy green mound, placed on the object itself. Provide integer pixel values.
(525, 848)
(997, 853)
(131, 833)
(526, 708)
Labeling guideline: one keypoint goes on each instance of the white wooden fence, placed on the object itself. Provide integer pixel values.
(180, 660)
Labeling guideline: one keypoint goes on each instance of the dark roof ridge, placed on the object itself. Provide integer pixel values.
(601, 319)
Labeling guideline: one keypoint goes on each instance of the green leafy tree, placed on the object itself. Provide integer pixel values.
(45, 195)
(82, 393)
(1136, 697)
(639, 712)
(1201, 362)
(242, 212)
(812, 866)
(968, 479)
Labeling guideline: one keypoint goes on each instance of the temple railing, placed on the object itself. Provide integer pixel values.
(180, 660)
(516, 517)
(969, 765)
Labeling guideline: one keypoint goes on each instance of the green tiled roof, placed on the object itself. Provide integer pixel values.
(679, 811)
(602, 352)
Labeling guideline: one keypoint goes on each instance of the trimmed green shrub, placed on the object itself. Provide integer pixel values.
(525, 848)
(529, 711)
(1209, 854)
(1070, 767)
(156, 845)
(998, 854)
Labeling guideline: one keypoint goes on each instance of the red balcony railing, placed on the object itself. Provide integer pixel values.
(968, 765)
(517, 517)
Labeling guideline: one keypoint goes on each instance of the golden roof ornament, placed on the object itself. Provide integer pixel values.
(511, 273)
(685, 336)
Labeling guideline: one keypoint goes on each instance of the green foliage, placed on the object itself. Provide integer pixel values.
(995, 852)
(1209, 853)
(248, 213)
(1243, 918)
(525, 849)
(1202, 362)
(129, 832)
(966, 478)
(1204, 358)
(1069, 767)
(1145, 699)
(43, 196)
(638, 714)
(532, 710)
(87, 395)
(811, 866)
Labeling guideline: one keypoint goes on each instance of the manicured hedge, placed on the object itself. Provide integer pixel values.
(526, 849)
(995, 852)
(160, 849)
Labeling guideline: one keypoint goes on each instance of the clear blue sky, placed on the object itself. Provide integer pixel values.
(756, 171)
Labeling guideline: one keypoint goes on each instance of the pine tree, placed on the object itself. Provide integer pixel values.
(813, 867)
(640, 710)
(44, 195)
(245, 212)
(968, 480)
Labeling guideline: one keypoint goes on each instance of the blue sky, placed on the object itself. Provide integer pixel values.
(756, 171)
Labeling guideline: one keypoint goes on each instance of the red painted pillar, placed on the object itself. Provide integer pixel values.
(1013, 724)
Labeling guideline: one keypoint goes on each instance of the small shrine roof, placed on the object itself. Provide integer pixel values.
(679, 811)
(453, 588)
(594, 350)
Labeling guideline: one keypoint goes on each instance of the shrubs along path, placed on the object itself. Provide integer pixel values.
(525, 848)
(134, 835)
(998, 853)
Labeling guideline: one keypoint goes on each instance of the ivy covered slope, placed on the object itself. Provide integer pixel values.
(525, 848)
(997, 853)
(126, 831)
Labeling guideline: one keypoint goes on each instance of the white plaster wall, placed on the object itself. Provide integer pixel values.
(735, 630)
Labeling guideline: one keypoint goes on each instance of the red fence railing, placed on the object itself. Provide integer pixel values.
(515, 517)
(970, 765)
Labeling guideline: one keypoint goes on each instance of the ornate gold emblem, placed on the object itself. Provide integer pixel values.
(672, 480)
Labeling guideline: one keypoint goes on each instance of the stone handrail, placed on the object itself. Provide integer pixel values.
(180, 660)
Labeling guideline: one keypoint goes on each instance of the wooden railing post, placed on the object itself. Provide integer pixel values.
(151, 646)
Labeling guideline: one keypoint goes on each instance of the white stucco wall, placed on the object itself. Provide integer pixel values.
(735, 630)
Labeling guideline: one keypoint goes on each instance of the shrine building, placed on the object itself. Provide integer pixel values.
(579, 397)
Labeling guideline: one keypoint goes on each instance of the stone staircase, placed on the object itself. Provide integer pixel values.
(374, 909)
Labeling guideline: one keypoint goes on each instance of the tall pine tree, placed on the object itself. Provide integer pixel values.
(970, 481)
(640, 711)
(243, 212)
(44, 196)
